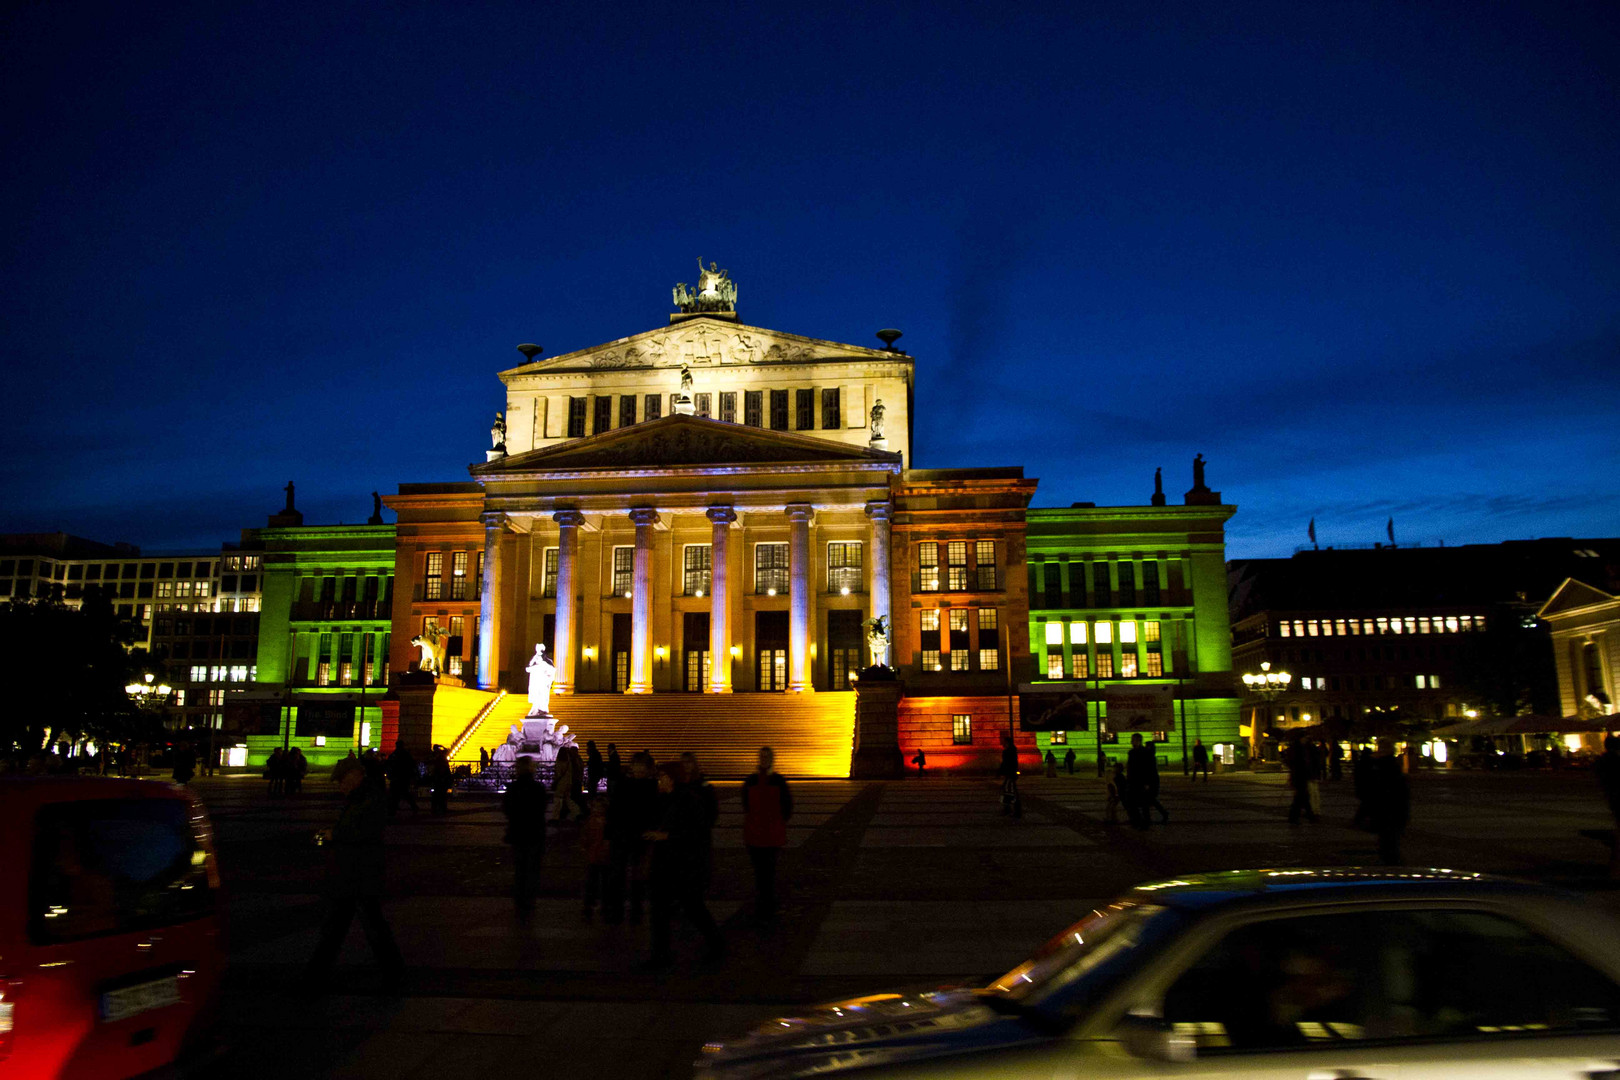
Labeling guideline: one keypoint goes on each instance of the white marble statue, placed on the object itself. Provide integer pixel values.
(877, 420)
(877, 639)
(497, 433)
(542, 673)
(432, 642)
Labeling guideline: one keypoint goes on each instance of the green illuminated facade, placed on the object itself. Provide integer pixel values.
(323, 639)
(1134, 595)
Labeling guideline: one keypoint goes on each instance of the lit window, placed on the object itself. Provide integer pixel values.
(433, 579)
(956, 565)
(1479, 622)
(199, 673)
(1383, 626)
(1054, 665)
(1077, 632)
(695, 569)
(1423, 624)
(1299, 628)
(1081, 670)
(548, 577)
(458, 571)
(1434, 682)
(929, 620)
(989, 659)
(844, 566)
(962, 729)
(1310, 627)
(1338, 627)
(202, 588)
(1451, 624)
(1284, 630)
(1127, 632)
(1127, 664)
(959, 639)
(985, 557)
(770, 569)
(1422, 681)
(1054, 632)
(1150, 630)
(1105, 664)
(624, 566)
(1467, 622)
(1104, 633)
(928, 567)
(1155, 664)
(1411, 625)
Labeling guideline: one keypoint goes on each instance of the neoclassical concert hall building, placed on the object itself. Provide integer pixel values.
(697, 522)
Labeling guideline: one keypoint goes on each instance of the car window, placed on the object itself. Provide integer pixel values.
(1384, 975)
(108, 866)
(1073, 967)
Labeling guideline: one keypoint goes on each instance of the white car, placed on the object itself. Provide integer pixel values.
(1305, 974)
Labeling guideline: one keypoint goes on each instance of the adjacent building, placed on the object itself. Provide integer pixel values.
(1386, 640)
(1583, 617)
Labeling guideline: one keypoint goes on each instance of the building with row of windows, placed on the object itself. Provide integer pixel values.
(1385, 639)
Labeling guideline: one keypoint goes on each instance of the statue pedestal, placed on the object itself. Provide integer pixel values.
(877, 730)
(1202, 497)
(683, 406)
(494, 455)
(880, 444)
(414, 689)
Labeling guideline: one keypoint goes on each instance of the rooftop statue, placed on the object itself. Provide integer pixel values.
(1198, 474)
(497, 432)
(686, 379)
(715, 291)
(877, 420)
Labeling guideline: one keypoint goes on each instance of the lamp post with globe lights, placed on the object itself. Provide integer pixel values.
(1265, 685)
(148, 695)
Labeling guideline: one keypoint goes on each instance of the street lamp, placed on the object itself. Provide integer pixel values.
(146, 694)
(1266, 685)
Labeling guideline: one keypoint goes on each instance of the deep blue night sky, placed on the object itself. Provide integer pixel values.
(1362, 256)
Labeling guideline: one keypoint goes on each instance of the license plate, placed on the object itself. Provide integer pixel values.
(143, 997)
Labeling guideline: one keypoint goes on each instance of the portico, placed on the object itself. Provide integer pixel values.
(722, 559)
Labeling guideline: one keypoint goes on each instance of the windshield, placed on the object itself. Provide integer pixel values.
(1098, 949)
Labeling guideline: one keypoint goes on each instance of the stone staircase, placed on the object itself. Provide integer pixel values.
(811, 733)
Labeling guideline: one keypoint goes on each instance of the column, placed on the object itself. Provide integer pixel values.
(799, 598)
(567, 618)
(489, 652)
(877, 579)
(720, 599)
(641, 603)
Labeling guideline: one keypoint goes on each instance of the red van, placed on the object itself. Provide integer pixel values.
(110, 935)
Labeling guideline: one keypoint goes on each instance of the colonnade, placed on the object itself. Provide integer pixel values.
(646, 519)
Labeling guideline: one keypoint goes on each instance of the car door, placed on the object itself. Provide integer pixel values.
(1392, 992)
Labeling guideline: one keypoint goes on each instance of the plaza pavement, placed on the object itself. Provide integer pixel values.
(917, 882)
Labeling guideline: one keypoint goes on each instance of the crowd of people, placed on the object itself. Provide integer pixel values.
(646, 832)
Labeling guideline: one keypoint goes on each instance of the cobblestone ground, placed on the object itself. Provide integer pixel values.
(903, 883)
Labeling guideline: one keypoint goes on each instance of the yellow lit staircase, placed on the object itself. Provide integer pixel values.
(811, 733)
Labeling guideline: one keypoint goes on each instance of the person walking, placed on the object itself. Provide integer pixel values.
(483, 759)
(524, 804)
(1008, 771)
(615, 767)
(297, 768)
(632, 811)
(1051, 764)
(275, 771)
(1389, 802)
(563, 782)
(1200, 756)
(1142, 773)
(1068, 760)
(595, 770)
(767, 806)
(355, 879)
(1301, 775)
(679, 866)
(439, 779)
(1116, 796)
(402, 777)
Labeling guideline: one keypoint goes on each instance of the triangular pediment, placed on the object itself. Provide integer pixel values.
(703, 342)
(1571, 596)
(684, 441)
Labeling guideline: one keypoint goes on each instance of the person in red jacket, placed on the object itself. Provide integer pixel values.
(767, 805)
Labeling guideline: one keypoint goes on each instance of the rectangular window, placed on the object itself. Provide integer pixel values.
(548, 573)
(1155, 664)
(1101, 587)
(928, 623)
(695, 572)
(832, 417)
(654, 406)
(624, 567)
(928, 567)
(1434, 682)
(627, 410)
(990, 631)
(962, 729)
(165, 590)
(458, 575)
(1054, 633)
(1077, 632)
(1127, 664)
(779, 410)
(433, 579)
(989, 659)
(1150, 584)
(1054, 665)
(1150, 631)
(1127, 584)
(1422, 682)
(702, 403)
(770, 569)
(984, 558)
(576, 418)
(603, 420)
(728, 406)
(1105, 664)
(1127, 632)
(1082, 669)
(959, 639)
(1104, 633)
(956, 565)
(844, 567)
(804, 410)
(753, 407)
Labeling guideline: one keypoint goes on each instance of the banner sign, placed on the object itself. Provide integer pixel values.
(1055, 706)
(1140, 708)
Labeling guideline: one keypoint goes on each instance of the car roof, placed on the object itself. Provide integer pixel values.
(67, 788)
(1230, 888)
